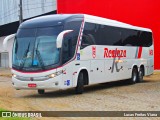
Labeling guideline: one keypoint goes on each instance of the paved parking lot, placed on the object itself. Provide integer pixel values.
(114, 96)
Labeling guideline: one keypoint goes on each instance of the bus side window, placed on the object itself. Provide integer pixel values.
(87, 40)
(130, 37)
(67, 49)
(88, 37)
(145, 39)
(70, 39)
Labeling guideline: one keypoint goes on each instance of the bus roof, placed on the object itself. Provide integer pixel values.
(58, 19)
(49, 20)
(100, 20)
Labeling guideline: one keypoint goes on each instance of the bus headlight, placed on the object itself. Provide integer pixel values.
(52, 75)
(14, 75)
(55, 74)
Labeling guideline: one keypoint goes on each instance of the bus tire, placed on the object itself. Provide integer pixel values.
(134, 77)
(80, 84)
(140, 75)
(41, 92)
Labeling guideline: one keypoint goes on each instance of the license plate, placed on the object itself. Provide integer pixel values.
(32, 85)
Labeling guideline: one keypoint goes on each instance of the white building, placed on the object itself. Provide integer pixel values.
(9, 21)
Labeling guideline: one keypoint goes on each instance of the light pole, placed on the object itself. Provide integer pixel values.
(20, 12)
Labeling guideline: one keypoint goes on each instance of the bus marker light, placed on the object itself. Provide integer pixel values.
(74, 73)
(64, 71)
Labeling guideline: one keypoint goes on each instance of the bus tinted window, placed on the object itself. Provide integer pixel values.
(136, 38)
(130, 37)
(88, 37)
(145, 39)
(109, 35)
(101, 35)
(70, 40)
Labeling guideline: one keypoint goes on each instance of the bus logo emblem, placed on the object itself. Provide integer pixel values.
(31, 78)
(94, 52)
(114, 53)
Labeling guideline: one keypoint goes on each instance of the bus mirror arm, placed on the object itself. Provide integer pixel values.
(61, 36)
(5, 41)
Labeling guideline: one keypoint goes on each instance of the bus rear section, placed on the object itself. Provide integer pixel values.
(117, 51)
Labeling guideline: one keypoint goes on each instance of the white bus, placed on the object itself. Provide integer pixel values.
(74, 50)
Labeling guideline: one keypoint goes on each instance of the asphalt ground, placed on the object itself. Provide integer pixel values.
(112, 96)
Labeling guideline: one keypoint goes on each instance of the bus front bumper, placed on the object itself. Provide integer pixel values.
(52, 83)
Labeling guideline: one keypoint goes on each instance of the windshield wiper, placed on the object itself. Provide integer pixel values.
(23, 58)
(40, 59)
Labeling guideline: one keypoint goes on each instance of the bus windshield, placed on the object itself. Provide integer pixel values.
(35, 49)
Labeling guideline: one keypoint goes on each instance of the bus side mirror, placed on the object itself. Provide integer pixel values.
(5, 41)
(61, 36)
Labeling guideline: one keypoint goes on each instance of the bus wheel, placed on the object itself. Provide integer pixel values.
(140, 75)
(134, 77)
(80, 84)
(40, 91)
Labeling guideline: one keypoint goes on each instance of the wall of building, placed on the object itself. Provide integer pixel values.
(9, 21)
(144, 13)
(9, 9)
(6, 56)
(11, 28)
